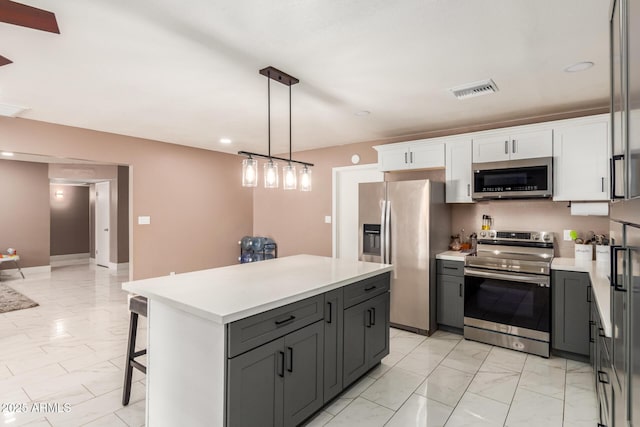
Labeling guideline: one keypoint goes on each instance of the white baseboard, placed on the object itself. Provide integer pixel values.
(119, 267)
(70, 257)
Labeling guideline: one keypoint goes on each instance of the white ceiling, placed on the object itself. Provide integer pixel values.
(186, 72)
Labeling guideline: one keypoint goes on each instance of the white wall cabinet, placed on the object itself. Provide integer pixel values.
(422, 154)
(512, 146)
(581, 161)
(458, 171)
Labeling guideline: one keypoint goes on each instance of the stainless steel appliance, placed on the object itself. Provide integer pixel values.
(625, 213)
(513, 179)
(406, 223)
(507, 293)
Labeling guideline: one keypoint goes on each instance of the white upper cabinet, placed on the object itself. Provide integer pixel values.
(421, 154)
(458, 171)
(581, 160)
(512, 146)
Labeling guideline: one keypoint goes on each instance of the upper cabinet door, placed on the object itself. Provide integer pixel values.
(491, 148)
(393, 159)
(458, 171)
(426, 155)
(530, 145)
(581, 161)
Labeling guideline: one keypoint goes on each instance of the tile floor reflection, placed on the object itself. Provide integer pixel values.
(71, 349)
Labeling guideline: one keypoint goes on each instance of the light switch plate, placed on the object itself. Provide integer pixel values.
(327, 219)
(567, 235)
(144, 220)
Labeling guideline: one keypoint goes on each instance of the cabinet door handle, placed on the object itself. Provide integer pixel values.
(373, 317)
(405, 157)
(513, 145)
(600, 374)
(290, 364)
(287, 320)
(367, 319)
(614, 268)
(506, 147)
(591, 325)
(281, 364)
(589, 293)
(602, 184)
(612, 173)
(330, 305)
(460, 289)
(469, 190)
(410, 156)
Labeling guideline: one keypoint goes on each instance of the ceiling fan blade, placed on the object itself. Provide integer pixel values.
(28, 16)
(4, 61)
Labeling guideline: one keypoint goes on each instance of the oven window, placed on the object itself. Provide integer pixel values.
(509, 303)
(532, 178)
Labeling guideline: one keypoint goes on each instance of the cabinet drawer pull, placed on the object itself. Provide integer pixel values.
(600, 374)
(281, 364)
(373, 317)
(290, 364)
(370, 288)
(287, 320)
(450, 268)
(329, 317)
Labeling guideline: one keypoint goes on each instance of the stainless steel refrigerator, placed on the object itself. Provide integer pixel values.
(406, 223)
(625, 212)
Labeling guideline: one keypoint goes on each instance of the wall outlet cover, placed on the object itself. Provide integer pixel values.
(144, 220)
(567, 235)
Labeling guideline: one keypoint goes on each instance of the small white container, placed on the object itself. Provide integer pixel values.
(584, 253)
(602, 253)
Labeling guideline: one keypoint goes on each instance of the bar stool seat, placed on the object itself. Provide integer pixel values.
(137, 307)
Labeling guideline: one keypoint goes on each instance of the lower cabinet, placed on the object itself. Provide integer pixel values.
(450, 293)
(571, 304)
(279, 383)
(333, 333)
(366, 336)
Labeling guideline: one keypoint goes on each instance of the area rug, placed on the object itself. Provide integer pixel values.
(11, 300)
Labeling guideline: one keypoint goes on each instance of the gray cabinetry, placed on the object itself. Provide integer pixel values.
(602, 368)
(450, 293)
(333, 327)
(366, 336)
(570, 314)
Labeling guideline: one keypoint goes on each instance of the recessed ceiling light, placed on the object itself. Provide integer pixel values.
(225, 141)
(362, 113)
(7, 154)
(579, 66)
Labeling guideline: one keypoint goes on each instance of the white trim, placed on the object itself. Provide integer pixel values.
(66, 257)
(25, 270)
(334, 208)
(119, 267)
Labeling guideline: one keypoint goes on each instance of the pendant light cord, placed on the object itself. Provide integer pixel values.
(289, 125)
(269, 111)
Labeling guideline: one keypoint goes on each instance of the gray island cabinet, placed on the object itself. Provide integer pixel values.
(264, 344)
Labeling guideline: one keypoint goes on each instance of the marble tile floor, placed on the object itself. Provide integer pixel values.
(70, 350)
(445, 380)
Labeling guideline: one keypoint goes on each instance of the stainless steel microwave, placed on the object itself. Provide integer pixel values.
(513, 179)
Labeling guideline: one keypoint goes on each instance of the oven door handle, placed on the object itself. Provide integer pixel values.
(540, 280)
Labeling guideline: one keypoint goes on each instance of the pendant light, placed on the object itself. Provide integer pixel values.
(271, 176)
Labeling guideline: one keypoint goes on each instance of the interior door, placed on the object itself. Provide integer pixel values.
(102, 223)
(409, 233)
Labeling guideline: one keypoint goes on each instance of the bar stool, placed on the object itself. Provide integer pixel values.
(138, 307)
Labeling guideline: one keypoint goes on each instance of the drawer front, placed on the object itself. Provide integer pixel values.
(246, 334)
(365, 289)
(450, 268)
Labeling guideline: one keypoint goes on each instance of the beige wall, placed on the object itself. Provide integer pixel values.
(197, 210)
(69, 219)
(528, 215)
(24, 211)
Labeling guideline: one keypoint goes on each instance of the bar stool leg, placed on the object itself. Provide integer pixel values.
(131, 348)
(19, 269)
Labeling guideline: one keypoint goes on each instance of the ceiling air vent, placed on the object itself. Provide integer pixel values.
(469, 90)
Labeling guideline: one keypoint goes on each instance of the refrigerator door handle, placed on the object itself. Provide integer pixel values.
(383, 232)
(387, 243)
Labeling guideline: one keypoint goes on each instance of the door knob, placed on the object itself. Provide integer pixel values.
(106, 229)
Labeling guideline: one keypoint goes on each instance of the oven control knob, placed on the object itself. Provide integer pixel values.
(483, 234)
(492, 234)
(546, 237)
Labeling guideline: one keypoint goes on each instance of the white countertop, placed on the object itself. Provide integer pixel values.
(226, 294)
(599, 276)
(452, 255)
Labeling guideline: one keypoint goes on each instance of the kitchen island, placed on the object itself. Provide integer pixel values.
(271, 341)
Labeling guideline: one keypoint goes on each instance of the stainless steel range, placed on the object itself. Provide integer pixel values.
(507, 293)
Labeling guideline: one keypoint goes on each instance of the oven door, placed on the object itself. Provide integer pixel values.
(511, 303)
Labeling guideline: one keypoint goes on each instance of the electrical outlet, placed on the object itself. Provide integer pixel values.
(567, 235)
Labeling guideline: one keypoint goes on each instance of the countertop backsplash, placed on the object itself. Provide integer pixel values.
(528, 215)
